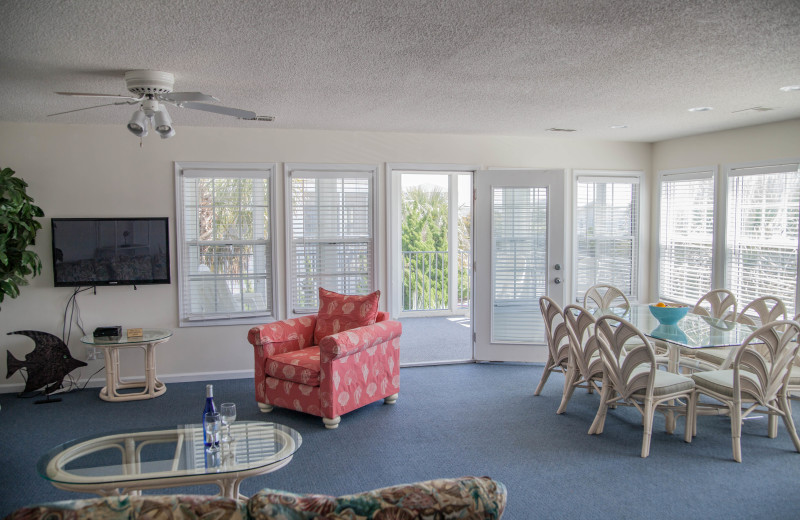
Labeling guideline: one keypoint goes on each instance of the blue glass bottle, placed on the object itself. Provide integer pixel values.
(210, 408)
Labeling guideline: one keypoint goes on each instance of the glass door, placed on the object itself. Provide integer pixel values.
(519, 257)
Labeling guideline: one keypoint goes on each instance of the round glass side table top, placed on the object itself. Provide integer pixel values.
(148, 336)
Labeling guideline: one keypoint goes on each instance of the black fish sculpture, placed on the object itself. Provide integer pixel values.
(49, 362)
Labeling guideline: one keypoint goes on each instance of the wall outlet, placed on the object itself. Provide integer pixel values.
(92, 353)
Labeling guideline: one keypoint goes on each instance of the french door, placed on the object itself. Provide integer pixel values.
(519, 257)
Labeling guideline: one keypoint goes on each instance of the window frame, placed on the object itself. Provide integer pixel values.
(638, 177)
(258, 170)
(319, 170)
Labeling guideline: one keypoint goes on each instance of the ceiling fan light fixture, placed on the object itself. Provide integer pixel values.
(138, 124)
(163, 123)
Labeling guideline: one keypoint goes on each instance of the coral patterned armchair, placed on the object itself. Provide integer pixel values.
(299, 365)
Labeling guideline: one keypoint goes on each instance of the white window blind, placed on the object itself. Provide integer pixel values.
(225, 245)
(686, 236)
(762, 233)
(331, 235)
(519, 270)
(607, 234)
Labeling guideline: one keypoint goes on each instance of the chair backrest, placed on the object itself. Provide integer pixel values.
(766, 309)
(554, 327)
(612, 335)
(768, 352)
(603, 296)
(582, 341)
(719, 303)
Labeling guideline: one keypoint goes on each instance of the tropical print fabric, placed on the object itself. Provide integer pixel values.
(354, 367)
(340, 312)
(124, 507)
(470, 498)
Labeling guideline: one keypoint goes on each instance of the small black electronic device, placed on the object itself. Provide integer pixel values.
(105, 332)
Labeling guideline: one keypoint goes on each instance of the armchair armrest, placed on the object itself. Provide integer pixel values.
(283, 336)
(355, 340)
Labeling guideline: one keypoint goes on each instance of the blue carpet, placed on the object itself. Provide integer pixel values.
(475, 419)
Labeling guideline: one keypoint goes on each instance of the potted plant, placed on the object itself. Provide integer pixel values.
(18, 227)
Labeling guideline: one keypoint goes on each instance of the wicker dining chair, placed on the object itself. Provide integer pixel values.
(719, 303)
(630, 376)
(757, 313)
(585, 367)
(757, 381)
(604, 296)
(557, 340)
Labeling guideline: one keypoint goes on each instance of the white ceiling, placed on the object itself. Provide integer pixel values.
(447, 66)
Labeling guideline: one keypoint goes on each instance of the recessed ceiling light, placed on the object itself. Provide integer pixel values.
(790, 88)
(618, 126)
(560, 130)
(701, 109)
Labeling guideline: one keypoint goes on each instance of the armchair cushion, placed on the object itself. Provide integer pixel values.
(300, 366)
(340, 312)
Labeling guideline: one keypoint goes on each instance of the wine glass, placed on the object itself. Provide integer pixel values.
(228, 414)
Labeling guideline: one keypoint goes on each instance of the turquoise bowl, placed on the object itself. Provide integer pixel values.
(669, 315)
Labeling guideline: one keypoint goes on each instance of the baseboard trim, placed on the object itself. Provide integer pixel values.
(189, 377)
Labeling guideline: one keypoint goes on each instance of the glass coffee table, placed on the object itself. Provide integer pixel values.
(129, 461)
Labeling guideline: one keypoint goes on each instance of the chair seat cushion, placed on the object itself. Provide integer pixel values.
(300, 366)
(721, 381)
(713, 355)
(666, 382)
(340, 312)
(794, 379)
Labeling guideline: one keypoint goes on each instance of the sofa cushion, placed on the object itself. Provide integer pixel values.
(124, 507)
(300, 366)
(471, 498)
(340, 312)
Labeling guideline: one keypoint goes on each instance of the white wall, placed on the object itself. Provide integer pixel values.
(100, 171)
(743, 145)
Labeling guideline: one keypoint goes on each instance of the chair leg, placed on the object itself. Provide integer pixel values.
(547, 368)
(332, 424)
(786, 407)
(648, 413)
(391, 399)
(772, 426)
(599, 420)
(736, 431)
(691, 417)
(264, 407)
(570, 380)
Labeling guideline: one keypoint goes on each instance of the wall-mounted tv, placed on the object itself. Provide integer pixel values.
(110, 251)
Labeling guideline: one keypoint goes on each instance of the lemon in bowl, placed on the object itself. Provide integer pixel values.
(668, 313)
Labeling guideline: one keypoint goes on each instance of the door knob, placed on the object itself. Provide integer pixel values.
(557, 280)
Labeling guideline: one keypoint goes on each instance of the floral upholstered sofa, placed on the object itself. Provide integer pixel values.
(472, 498)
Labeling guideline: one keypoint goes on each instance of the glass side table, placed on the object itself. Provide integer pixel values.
(150, 387)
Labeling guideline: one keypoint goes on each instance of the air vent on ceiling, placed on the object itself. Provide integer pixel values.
(259, 118)
(754, 109)
(560, 130)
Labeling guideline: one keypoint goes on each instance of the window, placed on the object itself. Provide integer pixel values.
(686, 235)
(763, 208)
(224, 234)
(607, 232)
(330, 232)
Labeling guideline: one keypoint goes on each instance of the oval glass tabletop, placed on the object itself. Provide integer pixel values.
(166, 453)
(148, 336)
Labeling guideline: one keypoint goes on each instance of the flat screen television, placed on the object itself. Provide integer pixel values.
(110, 251)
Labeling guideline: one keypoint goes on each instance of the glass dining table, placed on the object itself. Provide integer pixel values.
(692, 332)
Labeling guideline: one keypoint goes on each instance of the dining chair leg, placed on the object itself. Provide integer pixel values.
(547, 368)
(786, 408)
(772, 424)
(736, 431)
(570, 380)
(691, 417)
(648, 413)
(600, 418)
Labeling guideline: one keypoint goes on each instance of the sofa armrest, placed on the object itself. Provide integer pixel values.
(283, 336)
(355, 340)
(465, 497)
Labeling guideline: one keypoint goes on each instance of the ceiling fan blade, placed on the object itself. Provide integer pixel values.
(87, 94)
(177, 98)
(95, 106)
(227, 111)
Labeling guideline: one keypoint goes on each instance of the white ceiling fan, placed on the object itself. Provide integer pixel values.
(152, 89)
